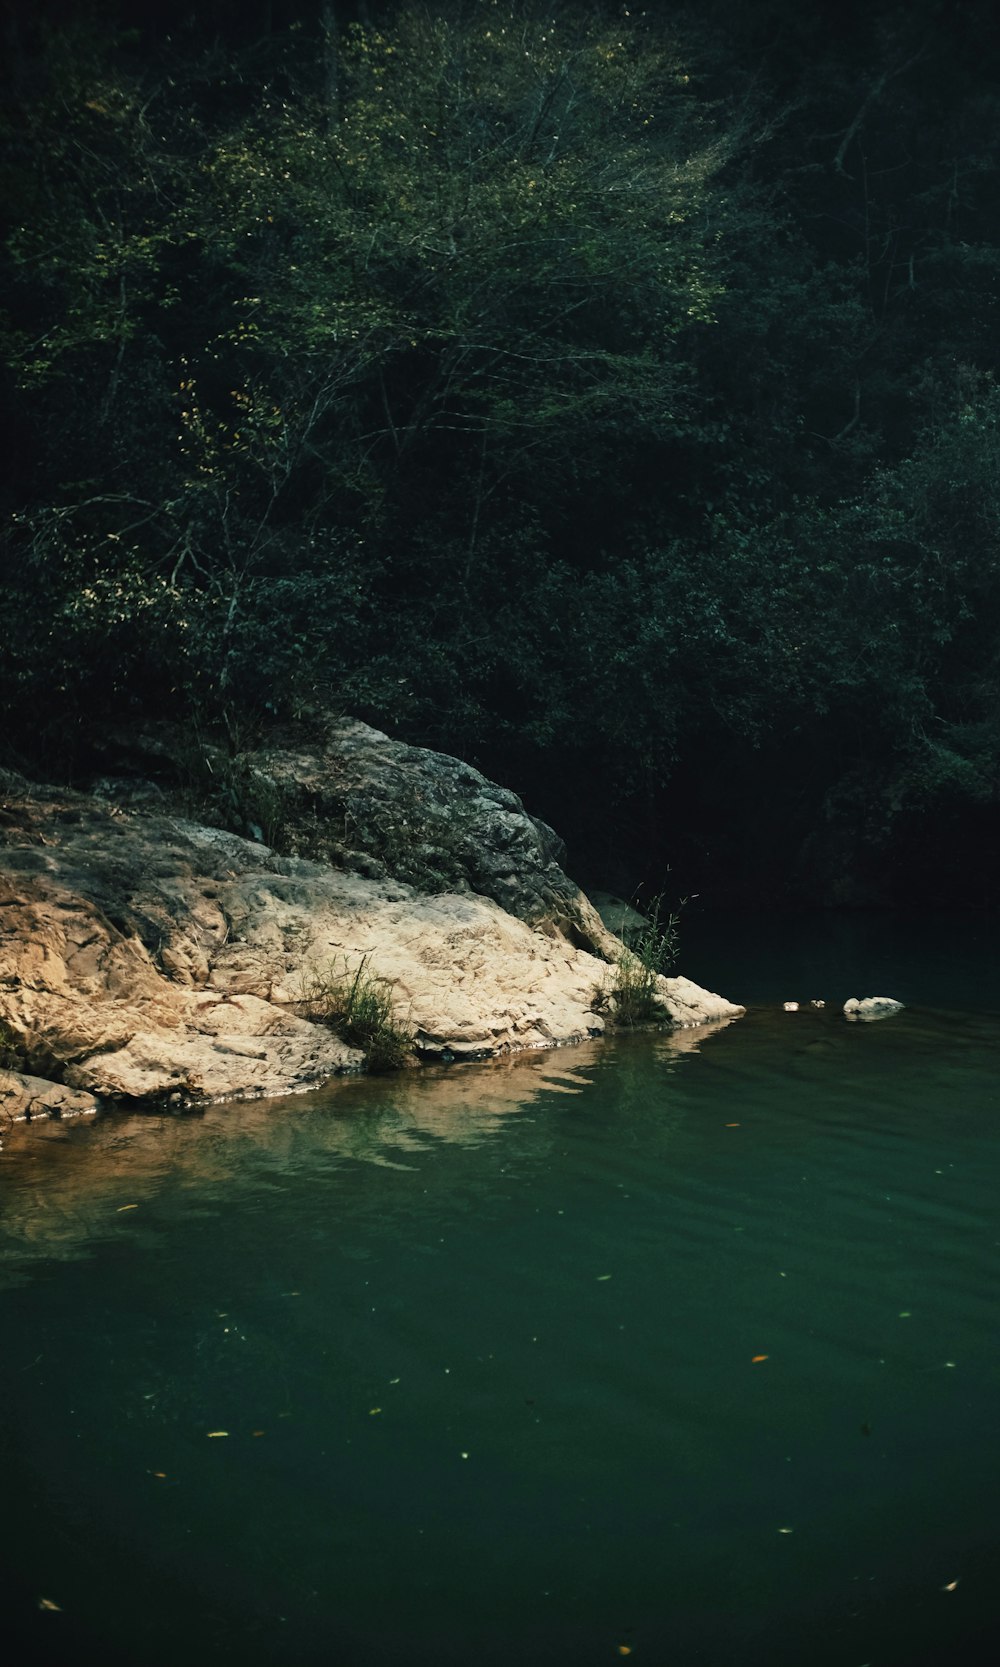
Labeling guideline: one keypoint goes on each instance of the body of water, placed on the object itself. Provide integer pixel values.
(681, 1349)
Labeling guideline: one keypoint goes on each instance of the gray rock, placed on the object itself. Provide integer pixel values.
(380, 806)
(618, 916)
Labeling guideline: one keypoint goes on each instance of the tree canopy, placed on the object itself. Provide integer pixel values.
(607, 395)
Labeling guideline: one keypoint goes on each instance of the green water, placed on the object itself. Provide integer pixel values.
(483, 1340)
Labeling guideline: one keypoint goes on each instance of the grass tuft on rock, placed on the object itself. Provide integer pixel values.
(358, 1006)
(634, 992)
(651, 952)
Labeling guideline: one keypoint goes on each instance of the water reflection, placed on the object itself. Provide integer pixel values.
(564, 1374)
(65, 1184)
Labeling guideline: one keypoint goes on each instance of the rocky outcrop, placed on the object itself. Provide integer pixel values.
(367, 802)
(144, 956)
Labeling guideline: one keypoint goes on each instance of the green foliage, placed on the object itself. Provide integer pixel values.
(651, 951)
(358, 1005)
(657, 943)
(633, 991)
(564, 388)
(271, 324)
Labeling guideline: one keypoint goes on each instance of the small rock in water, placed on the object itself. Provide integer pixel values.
(791, 1006)
(817, 1004)
(871, 1007)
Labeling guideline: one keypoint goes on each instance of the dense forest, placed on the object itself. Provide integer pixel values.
(606, 395)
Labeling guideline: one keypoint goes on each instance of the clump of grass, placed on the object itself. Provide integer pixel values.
(651, 951)
(358, 1006)
(633, 991)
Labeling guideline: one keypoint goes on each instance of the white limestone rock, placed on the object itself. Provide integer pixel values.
(145, 957)
(871, 1007)
(688, 1004)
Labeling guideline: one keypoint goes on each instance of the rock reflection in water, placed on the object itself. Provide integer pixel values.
(67, 1184)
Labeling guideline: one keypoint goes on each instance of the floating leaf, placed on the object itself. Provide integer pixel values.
(758, 1358)
(213, 1434)
(601, 1277)
(950, 1586)
(46, 1603)
(732, 1125)
(786, 1530)
(373, 1410)
(122, 1207)
(624, 1649)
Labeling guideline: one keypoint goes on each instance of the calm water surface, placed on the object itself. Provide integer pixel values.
(483, 1346)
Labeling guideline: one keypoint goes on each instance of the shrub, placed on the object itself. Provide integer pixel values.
(226, 790)
(359, 1007)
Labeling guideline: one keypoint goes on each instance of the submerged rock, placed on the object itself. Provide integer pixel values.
(871, 1007)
